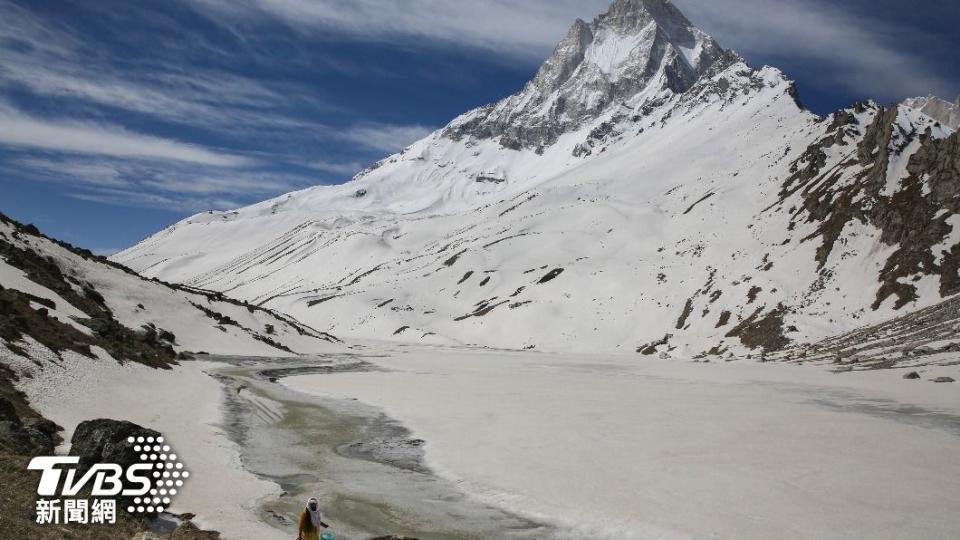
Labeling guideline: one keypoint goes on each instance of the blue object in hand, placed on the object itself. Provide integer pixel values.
(327, 535)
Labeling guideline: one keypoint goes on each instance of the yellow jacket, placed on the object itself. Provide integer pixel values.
(307, 530)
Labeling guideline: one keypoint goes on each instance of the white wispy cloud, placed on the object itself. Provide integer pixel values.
(386, 137)
(21, 130)
(171, 97)
(344, 168)
(79, 173)
(849, 46)
(855, 50)
(128, 198)
(148, 183)
(216, 182)
(56, 61)
(525, 29)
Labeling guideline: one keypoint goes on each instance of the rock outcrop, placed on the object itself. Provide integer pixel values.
(32, 437)
(106, 441)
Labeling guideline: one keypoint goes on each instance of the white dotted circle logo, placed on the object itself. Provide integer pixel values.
(168, 474)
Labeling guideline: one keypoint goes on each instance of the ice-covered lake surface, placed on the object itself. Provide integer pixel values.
(626, 447)
(456, 443)
(367, 469)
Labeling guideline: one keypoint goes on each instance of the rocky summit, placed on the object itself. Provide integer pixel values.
(637, 53)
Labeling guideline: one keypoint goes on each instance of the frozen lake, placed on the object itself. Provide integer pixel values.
(461, 444)
(628, 447)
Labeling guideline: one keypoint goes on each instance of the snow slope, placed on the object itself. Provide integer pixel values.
(647, 191)
(183, 403)
(196, 321)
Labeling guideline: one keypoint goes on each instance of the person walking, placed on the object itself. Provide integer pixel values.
(310, 522)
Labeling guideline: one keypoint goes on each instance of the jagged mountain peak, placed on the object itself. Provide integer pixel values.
(637, 52)
(628, 15)
(566, 57)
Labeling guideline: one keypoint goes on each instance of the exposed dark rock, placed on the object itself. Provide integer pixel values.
(943, 380)
(453, 260)
(912, 219)
(694, 205)
(687, 310)
(651, 348)
(551, 275)
(225, 320)
(33, 436)
(762, 331)
(188, 531)
(483, 309)
(18, 318)
(8, 413)
(106, 441)
(913, 375)
(15, 439)
(491, 178)
(323, 299)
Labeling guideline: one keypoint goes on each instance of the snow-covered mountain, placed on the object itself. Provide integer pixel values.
(58, 299)
(647, 190)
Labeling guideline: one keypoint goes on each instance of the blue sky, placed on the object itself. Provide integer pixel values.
(119, 117)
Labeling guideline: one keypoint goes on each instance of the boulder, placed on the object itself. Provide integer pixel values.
(105, 441)
(912, 375)
(188, 531)
(943, 380)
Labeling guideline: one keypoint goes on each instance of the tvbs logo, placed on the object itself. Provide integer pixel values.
(149, 484)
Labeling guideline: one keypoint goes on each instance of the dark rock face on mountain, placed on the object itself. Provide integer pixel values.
(638, 52)
(913, 218)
